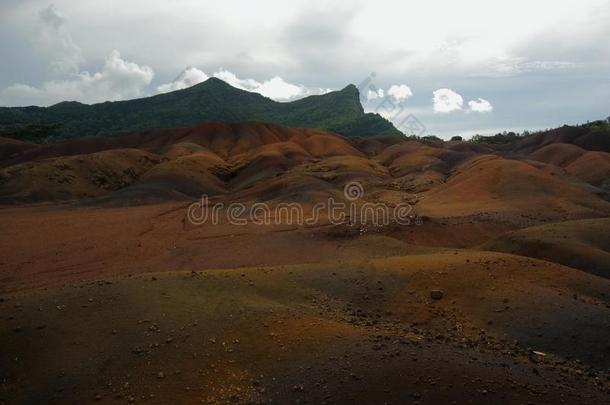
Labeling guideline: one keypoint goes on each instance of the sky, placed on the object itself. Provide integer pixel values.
(432, 67)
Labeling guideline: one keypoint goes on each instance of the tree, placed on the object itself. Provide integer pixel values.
(457, 138)
(37, 132)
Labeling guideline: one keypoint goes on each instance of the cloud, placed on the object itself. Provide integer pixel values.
(400, 92)
(275, 88)
(562, 73)
(118, 80)
(373, 95)
(233, 80)
(56, 41)
(187, 78)
(480, 105)
(446, 100)
(507, 67)
(278, 89)
(52, 16)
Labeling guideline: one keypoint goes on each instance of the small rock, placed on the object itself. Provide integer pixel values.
(538, 353)
(436, 294)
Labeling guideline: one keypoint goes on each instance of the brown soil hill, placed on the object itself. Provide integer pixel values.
(582, 244)
(491, 184)
(591, 167)
(587, 138)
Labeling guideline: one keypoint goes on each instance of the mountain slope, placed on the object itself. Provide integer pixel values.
(212, 100)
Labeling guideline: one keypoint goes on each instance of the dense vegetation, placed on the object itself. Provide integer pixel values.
(212, 100)
(37, 133)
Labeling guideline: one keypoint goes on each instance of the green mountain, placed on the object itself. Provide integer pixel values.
(212, 100)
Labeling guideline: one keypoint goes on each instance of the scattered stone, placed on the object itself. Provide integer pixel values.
(436, 294)
(537, 353)
(160, 375)
(138, 350)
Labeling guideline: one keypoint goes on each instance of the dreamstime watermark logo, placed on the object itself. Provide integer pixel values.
(353, 191)
(354, 212)
(390, 107)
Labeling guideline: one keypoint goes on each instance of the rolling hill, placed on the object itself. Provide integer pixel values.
(594, 136)
(210, 101)
(581, 244)
(111, 291)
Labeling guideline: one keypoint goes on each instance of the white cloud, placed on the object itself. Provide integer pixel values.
(278, 89)
(373, 95)
(400, 92)
(56, 41)
(275, 88)
(480, 105)
(446, 100)
(118, 80)
(233, 80)
(187, 78)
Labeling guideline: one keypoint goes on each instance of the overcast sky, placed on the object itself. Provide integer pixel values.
(457, 67)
